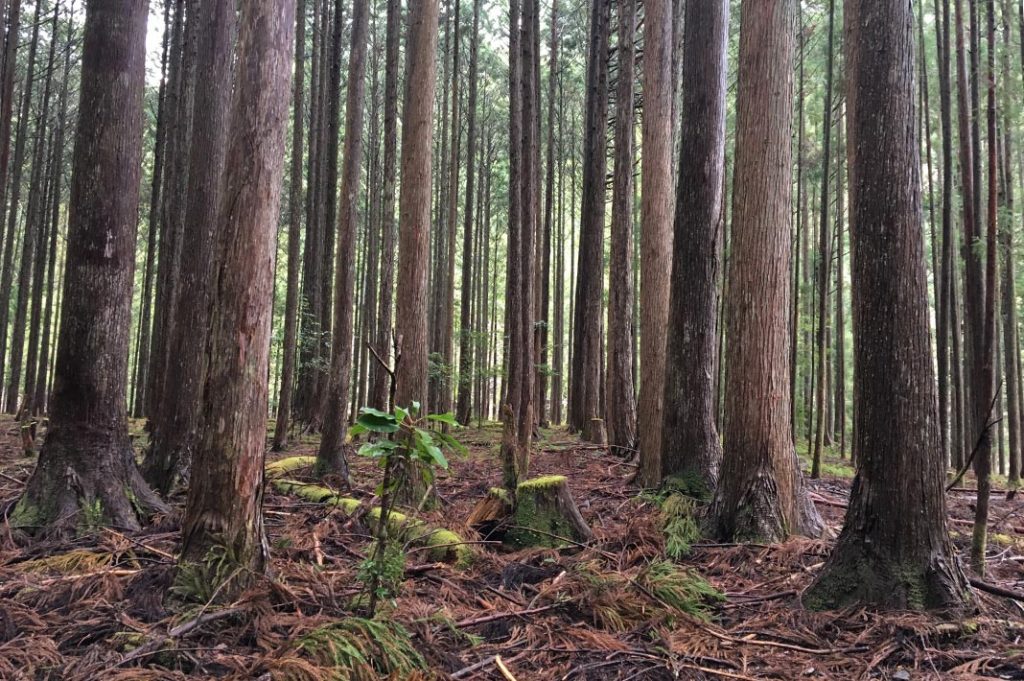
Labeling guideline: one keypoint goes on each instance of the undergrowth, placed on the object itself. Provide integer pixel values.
(362, 650)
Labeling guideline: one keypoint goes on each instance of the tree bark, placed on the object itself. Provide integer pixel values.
(620, 414)
(691, 447)
(885, 556)
(331, 455)
(761, 491)
(86, 473)
(224, 511)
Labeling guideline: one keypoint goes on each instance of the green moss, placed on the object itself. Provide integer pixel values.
(26, 514)
(92, 516)
(543, 482)
(848, 583)
(443, 544)
(281, 467)
(690, 482)
(500, 493)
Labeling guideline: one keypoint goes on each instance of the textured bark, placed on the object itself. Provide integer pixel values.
(7, 99)
(885, 556)
(620, 413)
(585, 389)
(295, 201)
(760, 494)
(944, 294)
(530, 76)
(514, 299)
(414, 210)
(331, 455)
(224, 509)
(691, 447)
(177, 432)
(87, 462)
(656, 241)
(466, 328)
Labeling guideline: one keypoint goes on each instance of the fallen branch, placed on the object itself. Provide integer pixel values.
(504, 615)
(157, 643)
(987, 587)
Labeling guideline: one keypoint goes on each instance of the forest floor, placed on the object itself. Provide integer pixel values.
(104, 606)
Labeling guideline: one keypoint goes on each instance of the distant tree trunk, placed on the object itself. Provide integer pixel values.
(7, 103)
(295, 200)
(87, 440)
(530, 77)
(7, 271)
(225, 500)
(558, 335)
(761, 492)
(656, 232)
(1009, 302)
(620, 415)
(466, 330)
(331, 455)
(985, 365)
(886, 556)
(585, 389)
(178, 431)
(691, 447)
(825, 241)
(944, 294)
(840, 358)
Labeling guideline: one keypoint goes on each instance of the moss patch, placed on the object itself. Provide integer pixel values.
(281, 467)
(443, 544)
(543, 482)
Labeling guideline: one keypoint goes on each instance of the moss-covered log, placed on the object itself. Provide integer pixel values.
(441, 544)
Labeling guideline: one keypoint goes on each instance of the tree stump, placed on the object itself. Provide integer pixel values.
(543, 514)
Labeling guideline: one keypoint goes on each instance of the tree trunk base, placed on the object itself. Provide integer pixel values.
(543, 514)
(85, 480)
(595, 432)
(856, 575)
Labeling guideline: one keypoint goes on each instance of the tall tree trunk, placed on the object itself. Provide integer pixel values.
(530, 77)
(656, 250)
(985, 364)
(620, 415)
(178, 431)
(825, 241)
(691, 447)
(585, 390)
(761, 492)
(885, 556)
(224, 511)
(7, 98)
(331, 455)
(466, 330)
(295, 201)
(944, 296)
(87, 440)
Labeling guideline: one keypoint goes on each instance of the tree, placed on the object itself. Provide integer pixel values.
(414, 210)
(291, 306)
(466, 340)
(178, 423)
(760, 496)
(224, 511)
(620, 402)
(585, 376)
(886, 556)
(656, 232)
(87, 440)
(691, 447)
(331, 455)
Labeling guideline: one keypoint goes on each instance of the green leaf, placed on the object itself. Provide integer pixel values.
(357, 430)
(377, 421)
(448, 418)
(375, 450)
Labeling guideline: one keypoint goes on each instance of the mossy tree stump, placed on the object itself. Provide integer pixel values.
(543, 514)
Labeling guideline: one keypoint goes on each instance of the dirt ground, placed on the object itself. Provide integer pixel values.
(105, 607)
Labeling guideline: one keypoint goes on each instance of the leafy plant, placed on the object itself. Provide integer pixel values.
(404, 442)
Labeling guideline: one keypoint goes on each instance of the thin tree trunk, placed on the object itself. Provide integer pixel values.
(331, 455)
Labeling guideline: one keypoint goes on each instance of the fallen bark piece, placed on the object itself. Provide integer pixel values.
(443, 545)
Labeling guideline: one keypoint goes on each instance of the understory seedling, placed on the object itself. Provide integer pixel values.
(404, 443)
